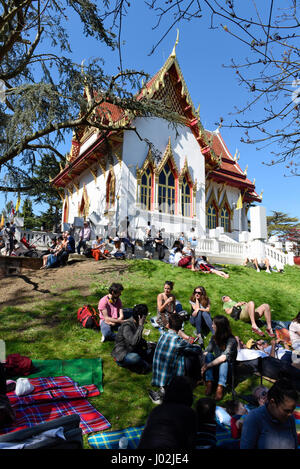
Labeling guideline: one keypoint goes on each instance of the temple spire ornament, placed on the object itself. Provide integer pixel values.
(173, 54)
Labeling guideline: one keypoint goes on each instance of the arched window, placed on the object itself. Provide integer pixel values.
(66, 210)
(211, 217)
(110, 190)
(166, 190)
(225, 219)
(185, 198)
(146, 189)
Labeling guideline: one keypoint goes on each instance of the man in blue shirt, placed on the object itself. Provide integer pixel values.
(169, 357)
(272, 426)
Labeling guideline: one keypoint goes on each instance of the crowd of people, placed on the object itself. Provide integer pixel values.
(179, 362)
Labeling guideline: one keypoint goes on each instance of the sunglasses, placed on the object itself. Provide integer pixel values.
(198, 292)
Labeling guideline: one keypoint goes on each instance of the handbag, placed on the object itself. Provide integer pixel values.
(236, 312)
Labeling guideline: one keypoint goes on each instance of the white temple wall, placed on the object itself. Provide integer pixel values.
(184, 147)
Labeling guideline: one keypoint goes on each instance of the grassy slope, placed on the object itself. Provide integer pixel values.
(50, 330)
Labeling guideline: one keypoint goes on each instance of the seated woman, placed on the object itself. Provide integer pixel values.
(98, 249)
(173, 251)
(200, 317)
(131, 350)
(294, 330)
(166, 305)
(221, 350)
(51, 260)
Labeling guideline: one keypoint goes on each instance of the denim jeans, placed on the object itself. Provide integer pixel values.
(109, 332)
(222, 369)
(134, 360)
(196, 321)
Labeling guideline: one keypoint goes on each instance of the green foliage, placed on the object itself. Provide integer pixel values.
(280, 223)
(49, 330)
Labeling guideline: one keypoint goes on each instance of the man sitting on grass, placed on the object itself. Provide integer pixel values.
(169, 358)
(111, 312)
(131, 350)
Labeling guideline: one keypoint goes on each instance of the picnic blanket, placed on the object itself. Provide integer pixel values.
(55, 397)
(83, 370)
(110, 439)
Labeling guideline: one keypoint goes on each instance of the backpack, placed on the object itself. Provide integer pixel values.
(88, 317)
(18, 365)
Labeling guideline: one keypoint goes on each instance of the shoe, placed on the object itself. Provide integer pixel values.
(102, 338)
(257, 331)
(219, 392)
(270, 333)
(155, 397)
(208, 388)
(268, 271)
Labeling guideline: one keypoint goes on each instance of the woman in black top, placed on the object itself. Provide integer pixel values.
(221, 350)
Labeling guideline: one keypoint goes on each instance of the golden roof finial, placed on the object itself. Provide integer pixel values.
(246, 169)
(173, 54)
(198, 110)
(261, 194)
(253, 182)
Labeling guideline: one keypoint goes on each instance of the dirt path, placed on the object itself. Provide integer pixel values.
(45, 285)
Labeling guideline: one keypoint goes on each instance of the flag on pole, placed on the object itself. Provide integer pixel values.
(18, 203)
(239, 203)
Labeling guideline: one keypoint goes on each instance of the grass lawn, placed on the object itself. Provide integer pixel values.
(49, 330)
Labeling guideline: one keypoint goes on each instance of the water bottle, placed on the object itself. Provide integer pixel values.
(2, 351)
(123, 442)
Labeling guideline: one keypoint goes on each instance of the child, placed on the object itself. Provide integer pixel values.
(237, 411)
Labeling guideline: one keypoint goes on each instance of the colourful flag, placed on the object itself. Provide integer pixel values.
(18, 203)
(239, 203)
(2, 221)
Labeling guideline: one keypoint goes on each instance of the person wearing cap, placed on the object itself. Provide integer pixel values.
(84, 236)
(250, 313)
(119, 249)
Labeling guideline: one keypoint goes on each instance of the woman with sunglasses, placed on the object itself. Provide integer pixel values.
(220, 352)
(200, 314)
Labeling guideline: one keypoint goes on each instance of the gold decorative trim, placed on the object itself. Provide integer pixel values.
(94, 174)
(149, 161)
(168, 156)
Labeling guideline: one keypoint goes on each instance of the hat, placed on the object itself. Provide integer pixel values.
(250, 343)
(116, 239)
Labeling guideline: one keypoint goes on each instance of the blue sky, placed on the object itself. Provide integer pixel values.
(201, 54)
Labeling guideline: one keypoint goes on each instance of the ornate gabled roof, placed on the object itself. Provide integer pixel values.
(167, 85)
(229, 171)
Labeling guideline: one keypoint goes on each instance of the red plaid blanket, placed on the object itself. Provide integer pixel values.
(53, 398)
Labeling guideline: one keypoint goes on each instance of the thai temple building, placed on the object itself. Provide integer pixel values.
(179, 178)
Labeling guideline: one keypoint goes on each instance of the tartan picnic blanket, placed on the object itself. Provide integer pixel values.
(53, 398)
(110, 439)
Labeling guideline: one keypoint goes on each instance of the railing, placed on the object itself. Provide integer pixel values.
(276, 256)
(40, 239)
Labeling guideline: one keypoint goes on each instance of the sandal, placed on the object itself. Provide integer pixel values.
(270, 332)
(257, 331)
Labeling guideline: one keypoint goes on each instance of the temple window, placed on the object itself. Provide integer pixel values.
(225, 219)
(212, 217)
(146, 189)
(110, 190)
(166, 190)
(185, 198)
